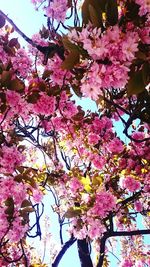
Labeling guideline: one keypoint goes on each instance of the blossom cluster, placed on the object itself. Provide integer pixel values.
(97, 177)
(100, 47)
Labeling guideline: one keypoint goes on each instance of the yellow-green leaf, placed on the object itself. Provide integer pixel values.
(86, 182)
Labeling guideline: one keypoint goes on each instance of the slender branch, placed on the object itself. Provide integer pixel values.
(130, 233)
(84, 253)
(129, 199)
(114, 255)
(48, 50)
(102, 250)
(67, 245)
(24, 255)
(26, 38)
(117, 233)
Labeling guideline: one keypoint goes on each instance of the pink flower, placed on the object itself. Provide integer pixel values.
(95, 229)
(105, 202)
(10, 158)
(67, 107)
(130, 183)
(75, 184)
(144, 7)
(45, 105)
(138, 135)
(57, 10)
(126, 263)
(37, 195)
(93, 138)
(129, 47)
(138, 206)
(115, 146)
(21, 62)
(98, 161)
(89, 90)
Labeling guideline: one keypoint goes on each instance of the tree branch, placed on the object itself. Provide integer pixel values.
(67, 245)
(26, 38)
(129, 199)
(84, 253)
(102, 250)
(117, 233)
(130, 233)
(48, 50)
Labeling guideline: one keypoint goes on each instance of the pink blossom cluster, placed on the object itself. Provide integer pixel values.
(14, 230)
(45, 105)
(144, 7)
(57, 10)
(134, 252)
(104, 203)
(58, 76)
(130, 184)
(101, 48)
(67, 108)
(21, 62)
(17, 104)
(10, 158)
(91, 227)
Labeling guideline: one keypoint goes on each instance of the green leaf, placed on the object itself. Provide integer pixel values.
(2, 21)
(71, 60)
(135, 84)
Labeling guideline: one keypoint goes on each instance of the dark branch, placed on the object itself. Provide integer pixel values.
(130, 233)
(117, 233)
(129, 199)
(84, 253)
(48, 51)
(102, 250)
(67, 245)
(26, 38)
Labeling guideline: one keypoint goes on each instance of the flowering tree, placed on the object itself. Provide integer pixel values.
(100, 185)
